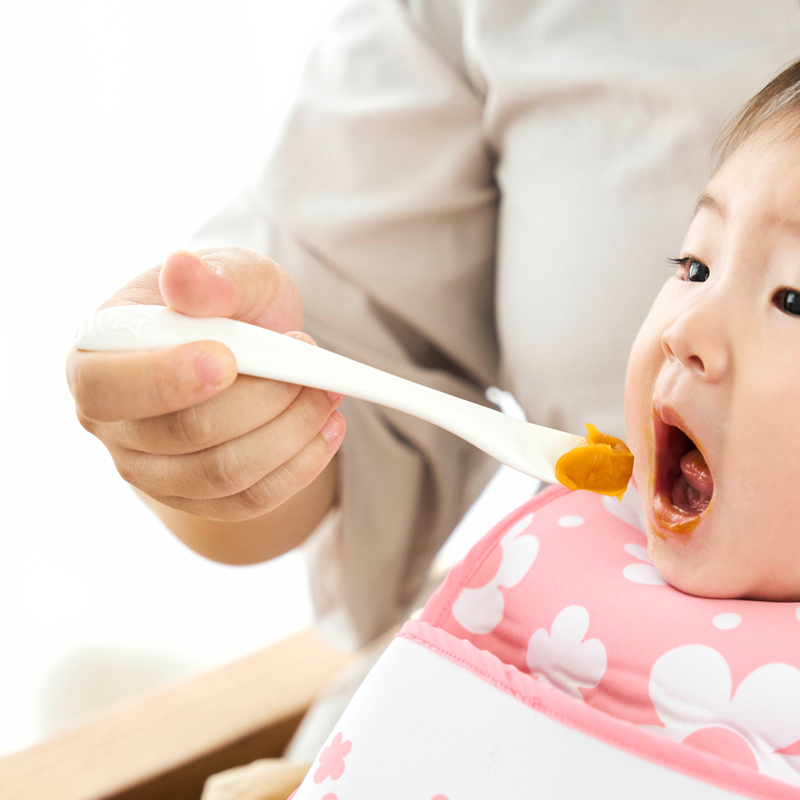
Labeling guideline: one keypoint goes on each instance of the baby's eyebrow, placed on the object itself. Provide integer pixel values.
(707, 201)
(791, 226)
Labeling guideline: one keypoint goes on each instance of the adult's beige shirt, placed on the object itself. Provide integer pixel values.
(485, 192)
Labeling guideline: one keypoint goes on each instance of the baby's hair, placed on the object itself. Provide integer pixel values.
(778, 101)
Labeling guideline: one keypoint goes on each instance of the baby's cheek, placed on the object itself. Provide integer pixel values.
(638, 424)
(643, 365)
(641, 475)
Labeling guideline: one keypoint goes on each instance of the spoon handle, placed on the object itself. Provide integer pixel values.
(267, 354)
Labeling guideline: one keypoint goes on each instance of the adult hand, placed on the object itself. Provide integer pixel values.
(180, 424)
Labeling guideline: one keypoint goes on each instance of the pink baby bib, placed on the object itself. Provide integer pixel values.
(563, 590)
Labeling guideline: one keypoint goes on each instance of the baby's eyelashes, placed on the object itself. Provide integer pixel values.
(692, 269)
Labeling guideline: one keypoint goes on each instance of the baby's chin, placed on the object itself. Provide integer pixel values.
(682, 573)
(695, 557)
(684, 562)
(705, 565)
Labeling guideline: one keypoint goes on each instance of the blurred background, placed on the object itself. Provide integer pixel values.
(124, 127)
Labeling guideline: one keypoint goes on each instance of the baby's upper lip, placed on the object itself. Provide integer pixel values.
(671, 417)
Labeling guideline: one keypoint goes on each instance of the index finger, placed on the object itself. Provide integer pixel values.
(109, 387)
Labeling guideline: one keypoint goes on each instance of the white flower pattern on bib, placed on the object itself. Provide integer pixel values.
(691, 690)
(562, 658)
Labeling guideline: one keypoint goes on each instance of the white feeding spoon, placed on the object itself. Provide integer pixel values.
(529, 448)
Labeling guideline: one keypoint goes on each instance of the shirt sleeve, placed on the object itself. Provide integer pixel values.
(379, 200)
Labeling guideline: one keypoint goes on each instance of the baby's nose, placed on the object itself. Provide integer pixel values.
(698, 344)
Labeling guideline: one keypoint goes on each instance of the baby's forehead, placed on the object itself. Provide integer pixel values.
(758, 186)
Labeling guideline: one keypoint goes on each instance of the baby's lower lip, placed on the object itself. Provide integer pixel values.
(683, 485)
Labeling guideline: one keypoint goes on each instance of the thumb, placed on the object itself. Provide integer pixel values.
(231, 282)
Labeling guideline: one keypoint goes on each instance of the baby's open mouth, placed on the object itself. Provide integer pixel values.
(683, 483)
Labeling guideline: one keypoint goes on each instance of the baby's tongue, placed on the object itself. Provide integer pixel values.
(697, 485)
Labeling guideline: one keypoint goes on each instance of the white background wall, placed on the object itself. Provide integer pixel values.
(123, 127)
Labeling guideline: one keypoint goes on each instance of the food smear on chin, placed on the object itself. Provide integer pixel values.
(600, 463)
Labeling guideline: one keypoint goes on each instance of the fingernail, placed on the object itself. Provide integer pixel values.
(301, 337)
(210, 266)
(330, 430)
(217, 271)
(210, 370)
(334, 397)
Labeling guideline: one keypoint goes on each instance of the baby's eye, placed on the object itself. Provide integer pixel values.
(692, 269)
(697, 271)
(788, 300)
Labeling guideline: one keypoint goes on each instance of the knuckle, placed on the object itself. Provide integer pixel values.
(126, 469)
(305, 467)
(228, 510)
(191, 427)
(280, 395)
(312, 411)
(267, 263)
(289, 478)
(85, 394)
(267, 493)
(223, 472)
(255, 500)
(88, 424)
(246, 256)
(279, 485)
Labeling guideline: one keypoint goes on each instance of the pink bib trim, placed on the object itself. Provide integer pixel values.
(580, 717)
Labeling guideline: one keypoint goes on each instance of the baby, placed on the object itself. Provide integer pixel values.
(560, 608)
(713, 385)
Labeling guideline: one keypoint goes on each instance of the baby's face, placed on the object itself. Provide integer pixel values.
(712, 396)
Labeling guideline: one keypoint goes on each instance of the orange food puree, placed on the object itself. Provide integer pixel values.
(600, 463)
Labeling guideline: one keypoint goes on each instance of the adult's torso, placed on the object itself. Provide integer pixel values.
(603, 116)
